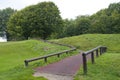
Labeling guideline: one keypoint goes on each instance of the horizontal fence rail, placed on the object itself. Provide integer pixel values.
(98, 50)
(50, 55)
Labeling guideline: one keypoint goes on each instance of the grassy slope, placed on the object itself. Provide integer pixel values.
(13, 54)
(107, 66)
(89, 41)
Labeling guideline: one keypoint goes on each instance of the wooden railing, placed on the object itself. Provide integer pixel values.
(98, 50)
(50, 55)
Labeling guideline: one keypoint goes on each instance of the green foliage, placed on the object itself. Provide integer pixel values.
(82, 25)
(78, 26)
(39, 20)
(69, 28)
(43, 20)
(4, 16)
(13, 54)
(106, 20)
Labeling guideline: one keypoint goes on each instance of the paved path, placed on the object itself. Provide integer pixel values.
(66, 67)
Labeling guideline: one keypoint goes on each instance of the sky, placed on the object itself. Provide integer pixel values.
(68, 8)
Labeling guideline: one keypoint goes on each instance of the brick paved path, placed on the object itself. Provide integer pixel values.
(67, 67)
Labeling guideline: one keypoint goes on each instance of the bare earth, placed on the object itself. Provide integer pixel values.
(53, 76)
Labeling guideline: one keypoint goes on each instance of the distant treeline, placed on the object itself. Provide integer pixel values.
(43, 20)
(106, 21)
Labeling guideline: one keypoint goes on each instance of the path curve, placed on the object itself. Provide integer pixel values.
(66, 68)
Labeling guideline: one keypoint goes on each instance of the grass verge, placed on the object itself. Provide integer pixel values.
(88, 41)
(106, 67)
(13, 54)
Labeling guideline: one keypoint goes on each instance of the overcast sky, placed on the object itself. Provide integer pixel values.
(68, 8)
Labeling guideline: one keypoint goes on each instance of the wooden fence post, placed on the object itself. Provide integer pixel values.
(97, 50)
(84, 63)
(105, 49)
(92, 57)
(97, 53)
(66, 52)
(100, 50)
(45, 59)
(26, 63)
(58, 55)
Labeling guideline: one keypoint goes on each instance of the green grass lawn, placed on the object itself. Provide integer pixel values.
(107, 66)
(89, 41)
(13, 54)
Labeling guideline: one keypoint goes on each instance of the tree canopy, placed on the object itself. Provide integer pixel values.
(43, 20)
(4, 17)
(105, 21)
(39, 20)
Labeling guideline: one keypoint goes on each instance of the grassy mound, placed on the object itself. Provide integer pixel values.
(107, 66)
(13, 54)
(89, 41)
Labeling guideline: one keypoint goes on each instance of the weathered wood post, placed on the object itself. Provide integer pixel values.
(45, 59)
(84, 63)
(105, 49)
(100, 50)
(58, 55)
(97, 55)
(26, 63)
(66, 52)
(92, 57)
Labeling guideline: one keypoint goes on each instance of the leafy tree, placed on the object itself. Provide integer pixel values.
(106, 20)
(69, 28)
(114, 11)
(39, 20)
(4, 16)
(82, 25)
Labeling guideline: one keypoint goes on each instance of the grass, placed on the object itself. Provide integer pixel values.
(13, 54)
(88, 41)
(107, 66)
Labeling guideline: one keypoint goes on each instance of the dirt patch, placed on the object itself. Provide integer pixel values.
(52, 76)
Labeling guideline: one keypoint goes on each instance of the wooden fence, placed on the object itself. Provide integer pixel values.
(50, 55)
(98, 50)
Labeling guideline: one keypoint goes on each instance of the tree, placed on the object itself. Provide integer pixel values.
(82, 25)
(4, 17)
(69, 28)
(39, 20)
(114, 11)
(106, 20)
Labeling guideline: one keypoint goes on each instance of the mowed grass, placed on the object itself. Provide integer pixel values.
(13, 54)
(107, 66)
(88, 41)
